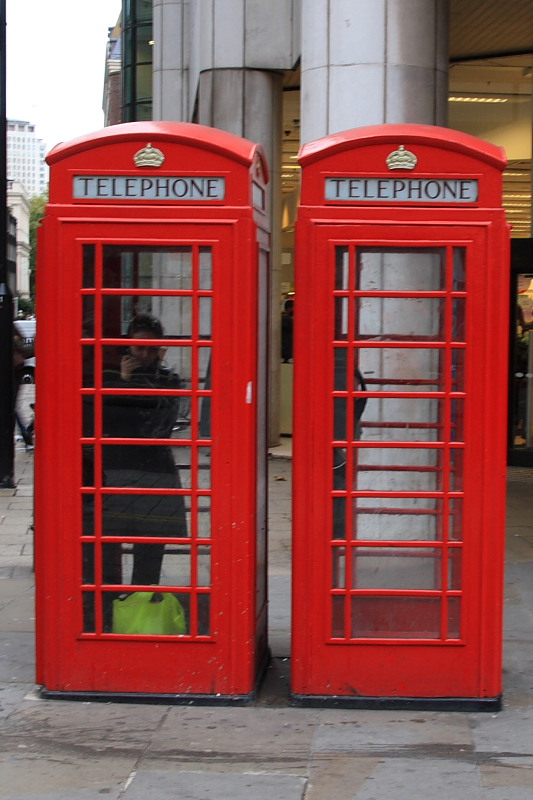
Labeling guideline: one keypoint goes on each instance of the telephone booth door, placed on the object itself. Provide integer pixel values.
(150, 528)
(398, 510)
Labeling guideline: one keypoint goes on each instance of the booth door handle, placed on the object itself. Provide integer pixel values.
(249, 392)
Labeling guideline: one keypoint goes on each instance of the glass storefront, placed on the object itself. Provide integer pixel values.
(137, 60)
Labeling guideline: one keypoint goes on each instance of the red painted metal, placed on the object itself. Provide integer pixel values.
(200, 265)
(399, 512)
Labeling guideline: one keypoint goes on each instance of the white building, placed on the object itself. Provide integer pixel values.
(25, 157)
(18, 203)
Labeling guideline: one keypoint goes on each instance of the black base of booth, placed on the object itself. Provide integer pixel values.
(465, 704)
(152, 699)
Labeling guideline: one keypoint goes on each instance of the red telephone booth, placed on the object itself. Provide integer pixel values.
(150, 512)
(400, 416)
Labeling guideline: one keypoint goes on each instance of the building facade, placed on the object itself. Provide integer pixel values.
(287, 72)
(25, 157)
(18, 203)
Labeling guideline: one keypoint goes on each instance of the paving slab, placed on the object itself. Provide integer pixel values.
(214, 786)
(338, 777)
(234, 739)
(28, 775)
(510, 732)
(83, 730)
(367, 732)
(420, 779)
(508, 772)
(17, 657)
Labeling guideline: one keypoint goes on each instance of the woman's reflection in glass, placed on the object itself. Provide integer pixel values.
(138, 465)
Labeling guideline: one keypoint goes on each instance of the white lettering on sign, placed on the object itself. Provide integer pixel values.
(402, 190)
(148, 187)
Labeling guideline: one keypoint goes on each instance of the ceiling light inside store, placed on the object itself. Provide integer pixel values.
(457, 99)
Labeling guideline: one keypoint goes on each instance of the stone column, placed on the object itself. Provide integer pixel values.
(248, 102)
(170, 73)
(368, 63)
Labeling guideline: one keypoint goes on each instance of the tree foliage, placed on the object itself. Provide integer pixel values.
(37, 206)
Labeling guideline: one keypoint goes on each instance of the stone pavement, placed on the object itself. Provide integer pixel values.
(53, 750)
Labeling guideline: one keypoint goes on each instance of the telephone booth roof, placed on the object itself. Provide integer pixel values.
(437, 153)
(431, 135)
(188, 133)
(183, 147)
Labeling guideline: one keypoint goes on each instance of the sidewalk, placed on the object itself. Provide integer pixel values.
(53, 750)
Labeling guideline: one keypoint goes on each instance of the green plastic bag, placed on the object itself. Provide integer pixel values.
(149, 613)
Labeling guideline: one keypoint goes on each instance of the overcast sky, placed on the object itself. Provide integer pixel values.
(55, 64)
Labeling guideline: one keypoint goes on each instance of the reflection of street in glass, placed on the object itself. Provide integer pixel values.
(25, 401)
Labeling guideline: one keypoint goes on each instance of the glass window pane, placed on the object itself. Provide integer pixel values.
(204, 516)
(457, 420)
(455, 520)
(205, 311)
(146, 267)
(88, 563)
(397, 518)
(176, 567)
(459, 269)
(204, 566)
(416, 369)
(459, 319)
(338, 580)
(158, 515)
(401, 269)
(204, 418)
(454, 617)
(455, 565)
(206, 268)
(145, 613)
(402, 419)
(204, 468)
(339, 517)
(340, 359)
(341, 268)
(397, 469)
(204, 614)
(89, 255)
(182, 459)
(456, 470)
(88, 465)
(397, 568)
(88, 612)
(341, 318)
(87, 501)
(145, 366)
(458, 370)
(143, 79)
(412, 318)
(87, 326)
(338, 613)
(396, 617)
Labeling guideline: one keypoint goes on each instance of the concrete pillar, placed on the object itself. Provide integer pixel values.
(367, 63)
(170, 73)
(248, 102)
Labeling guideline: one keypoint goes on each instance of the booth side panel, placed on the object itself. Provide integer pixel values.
(308, 422)
(239, 382)
(496, 276)
(56, 467)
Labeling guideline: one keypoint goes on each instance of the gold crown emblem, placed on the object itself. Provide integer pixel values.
(148, 157)
(401, 159)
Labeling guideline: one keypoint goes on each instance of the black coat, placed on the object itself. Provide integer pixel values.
(138, 465)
